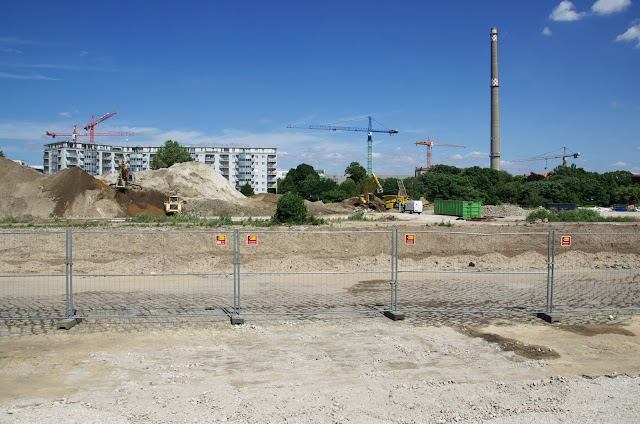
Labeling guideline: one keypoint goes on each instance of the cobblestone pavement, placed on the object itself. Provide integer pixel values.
(141, 303)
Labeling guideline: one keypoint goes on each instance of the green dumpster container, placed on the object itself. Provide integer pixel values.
(461, 208)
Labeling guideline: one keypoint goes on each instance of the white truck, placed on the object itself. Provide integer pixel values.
(412, 206)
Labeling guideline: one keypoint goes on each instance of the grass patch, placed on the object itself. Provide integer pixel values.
(576, 215)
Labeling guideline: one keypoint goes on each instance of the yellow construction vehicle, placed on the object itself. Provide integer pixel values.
(125, 179)
(366, 199)
(121, 183)
(173, 206)
(395, 200)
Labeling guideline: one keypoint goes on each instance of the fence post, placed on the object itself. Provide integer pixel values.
(235, 318)
(393, 312)
(553, 268)
(391, 285)
(70, 312)
(66, 274)
(547, 315)
(395, 280)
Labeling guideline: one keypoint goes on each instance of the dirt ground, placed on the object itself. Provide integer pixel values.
(334, 371)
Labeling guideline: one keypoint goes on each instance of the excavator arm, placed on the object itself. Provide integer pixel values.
(379, 189)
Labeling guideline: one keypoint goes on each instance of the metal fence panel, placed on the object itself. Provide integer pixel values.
(472, 272)
(314, 272)
(596, 271)
(152, 273)
(32, 280)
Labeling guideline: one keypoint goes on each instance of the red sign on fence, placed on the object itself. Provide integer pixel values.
(252, 240)
(565, 241)
(221, 240)
(410, 239)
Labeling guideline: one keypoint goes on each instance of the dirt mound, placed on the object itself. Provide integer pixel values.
(21, 192)
(353, 204)
(67, 185)
(193, 180)
(134, 202)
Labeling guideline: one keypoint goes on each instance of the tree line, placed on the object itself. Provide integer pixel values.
(565, 184)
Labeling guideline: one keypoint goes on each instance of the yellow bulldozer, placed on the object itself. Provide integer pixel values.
(173, 206)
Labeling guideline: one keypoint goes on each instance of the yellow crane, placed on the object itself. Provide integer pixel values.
(430, 143)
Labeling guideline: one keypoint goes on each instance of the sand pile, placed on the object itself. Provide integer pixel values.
(79, 195)
(21, 192)
(188, 180)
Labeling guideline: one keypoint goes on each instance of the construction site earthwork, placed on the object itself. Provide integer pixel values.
(399, 317)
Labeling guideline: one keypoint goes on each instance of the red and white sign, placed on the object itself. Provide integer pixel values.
(409, 239)
(565, 241)
(252, 240)
(221, 240)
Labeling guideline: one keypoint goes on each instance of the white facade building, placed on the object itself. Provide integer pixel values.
(239, 165)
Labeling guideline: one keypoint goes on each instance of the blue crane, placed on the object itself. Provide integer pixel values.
(369, 131)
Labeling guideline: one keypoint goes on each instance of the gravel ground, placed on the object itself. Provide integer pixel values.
(306, 371)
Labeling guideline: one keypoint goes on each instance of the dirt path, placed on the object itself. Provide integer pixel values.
(363, 371)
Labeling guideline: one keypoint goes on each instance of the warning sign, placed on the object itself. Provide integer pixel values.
(252, 240)
(221, 240)
(565, 241)
(410, 239)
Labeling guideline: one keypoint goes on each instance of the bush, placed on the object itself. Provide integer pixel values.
(576, 215)
(290, 210)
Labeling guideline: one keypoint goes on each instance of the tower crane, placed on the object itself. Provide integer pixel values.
(369, 131)
(430, 143)
(90, 127)
(564, 157)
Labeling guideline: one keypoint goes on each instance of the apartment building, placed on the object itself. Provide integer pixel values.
(239, 165)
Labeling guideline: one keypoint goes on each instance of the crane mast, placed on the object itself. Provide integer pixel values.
(369, 131)
(430, 143)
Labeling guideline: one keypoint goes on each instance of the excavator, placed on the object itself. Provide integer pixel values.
(366, 199)
(125, 179)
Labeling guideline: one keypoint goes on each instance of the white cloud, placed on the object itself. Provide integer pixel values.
(26, 77)
(546, 31)
(621, 164)
(606, 7)
(65, 114)
(10, 50)
(456, 157)
(477, 155)
(333, 156)
(565, 11)
(633, 33)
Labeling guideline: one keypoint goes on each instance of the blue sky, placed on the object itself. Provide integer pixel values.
(238, 72)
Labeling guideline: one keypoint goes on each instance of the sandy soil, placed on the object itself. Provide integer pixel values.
(363, 371)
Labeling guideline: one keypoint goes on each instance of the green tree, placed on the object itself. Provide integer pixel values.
(390, 185)
(350, 187)
(334, 196)
(445, 169)
(356, 172)
(1, 154)
(290, 209)
(169, 154)
(293, 181)
(247, 190)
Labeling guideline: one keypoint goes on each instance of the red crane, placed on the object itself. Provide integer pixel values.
(90, 127)
(430, 143)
